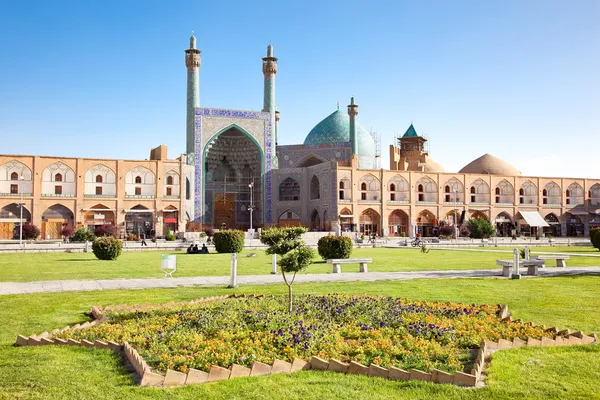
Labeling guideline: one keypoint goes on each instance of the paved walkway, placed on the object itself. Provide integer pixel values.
(7, 288)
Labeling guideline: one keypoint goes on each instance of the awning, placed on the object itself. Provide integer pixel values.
(502, 220)
(596, 212)
(170, 220)
(138, 211)
(99, 209)
(169, 210)
(346, 216)
(533, 218)
(578, 212)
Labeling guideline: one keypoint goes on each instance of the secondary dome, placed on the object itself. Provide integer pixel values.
(433, 166)
(336, 128)
(488, 164)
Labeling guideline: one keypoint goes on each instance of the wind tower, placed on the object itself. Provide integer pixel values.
(192, 63)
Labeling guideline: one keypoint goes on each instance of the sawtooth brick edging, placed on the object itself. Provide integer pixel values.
(217, 373)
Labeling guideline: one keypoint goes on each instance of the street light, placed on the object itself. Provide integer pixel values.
(251, 206)
(456, 229)
(21, 218)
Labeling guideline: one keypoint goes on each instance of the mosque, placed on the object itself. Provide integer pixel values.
(235, 174)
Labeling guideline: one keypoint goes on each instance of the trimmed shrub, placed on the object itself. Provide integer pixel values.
(107, 248)
(480, 228)
(104, 230)
(67, 231)
(229, 241)
(170, 237)
(595, 237)
(30, 232)
(83, 234)
(203, 235)
(334, 247)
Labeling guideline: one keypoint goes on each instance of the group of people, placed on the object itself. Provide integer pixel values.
(193, 249)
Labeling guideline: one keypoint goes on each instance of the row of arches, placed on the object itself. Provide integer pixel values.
(58, 179)
(138, 219)
(426, 190)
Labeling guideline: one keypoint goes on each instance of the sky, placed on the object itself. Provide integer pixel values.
(106, 79)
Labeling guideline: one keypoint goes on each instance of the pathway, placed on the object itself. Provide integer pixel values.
(7, 288)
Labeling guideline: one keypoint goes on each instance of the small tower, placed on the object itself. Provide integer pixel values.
(192, 63)
(353, 112)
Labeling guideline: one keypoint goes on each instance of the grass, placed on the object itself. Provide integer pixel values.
(59, 266)
(53, 372)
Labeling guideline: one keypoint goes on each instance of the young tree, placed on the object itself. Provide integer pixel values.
(480, 228)
(295, 256)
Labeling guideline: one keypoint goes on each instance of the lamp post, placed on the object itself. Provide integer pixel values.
(251, 206)
(456, 229)
(21, 217)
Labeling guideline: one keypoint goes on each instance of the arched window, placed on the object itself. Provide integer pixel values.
(472, 189)
(427, 190)
(528, 194)
(363, 186)
(14, 176)
(545, 192)
(399, 189)
(169, 180)
(315, 189)
(188, 194)
(420, 188)
(289, 190)
(447, 189)
(392, 188)
(521, 192)
(58, 178)
(370, 188)
(138, 179)
(568, 193)
(505, 193)
(98, 178)
(497, 190)
(575, 194)
(341, 184)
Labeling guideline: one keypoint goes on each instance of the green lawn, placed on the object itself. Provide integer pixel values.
(54, 372)
(57, 266)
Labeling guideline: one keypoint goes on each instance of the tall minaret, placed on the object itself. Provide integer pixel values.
(192, 63)
(353, 112)
(270, 70)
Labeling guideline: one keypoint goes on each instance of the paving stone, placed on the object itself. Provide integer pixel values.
(357, 368)
(280, 367)
(239, 371)
(299, 364)
(151, 379)
(462, 379)
(86, 343)
(534, 342)
(376, 370)
(100, 344)
(218, 373)
(490, 345)
(398, 374)
(114, 346)
(259, 369)
(21, 340)
(547, 342)
(587, 339)
(318, 363)
(60, 341)
(174, 378)
(338, 366)
(196, 376)
(418, 375)
(442, 377)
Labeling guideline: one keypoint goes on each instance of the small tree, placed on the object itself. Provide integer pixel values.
(480, 228)
(295, 256)
(104, 230)
(30, 232)
(82, 234)
(107, 248)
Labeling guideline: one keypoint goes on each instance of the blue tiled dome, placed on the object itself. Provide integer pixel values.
(336, 128)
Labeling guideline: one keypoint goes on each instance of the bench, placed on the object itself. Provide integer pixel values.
(532, 266)
(560, 260)
(337, 263)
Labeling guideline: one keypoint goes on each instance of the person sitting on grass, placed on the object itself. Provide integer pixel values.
(190, 249)
(204, 249)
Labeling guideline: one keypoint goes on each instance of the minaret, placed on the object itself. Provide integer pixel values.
(270, 70)
(192, 63)
(353, 112)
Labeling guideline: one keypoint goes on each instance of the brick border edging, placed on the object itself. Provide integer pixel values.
(216, 373)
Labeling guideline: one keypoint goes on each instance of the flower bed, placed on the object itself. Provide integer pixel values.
(368, 329)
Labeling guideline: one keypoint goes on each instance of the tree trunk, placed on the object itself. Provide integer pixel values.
(290, 299)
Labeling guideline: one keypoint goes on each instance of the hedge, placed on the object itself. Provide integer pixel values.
(107, 248)
(335, 247)
(229, 241)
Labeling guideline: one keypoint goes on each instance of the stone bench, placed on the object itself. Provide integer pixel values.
(560, 260)
(337, 263)
(532, 266)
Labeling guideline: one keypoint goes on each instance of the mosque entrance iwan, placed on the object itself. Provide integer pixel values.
(233, 165)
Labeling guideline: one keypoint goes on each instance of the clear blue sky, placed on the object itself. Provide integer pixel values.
(517, 79)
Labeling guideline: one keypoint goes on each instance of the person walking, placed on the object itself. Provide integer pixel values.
(143, 237)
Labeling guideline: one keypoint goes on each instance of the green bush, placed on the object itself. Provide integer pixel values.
(334, 247)
(107, 248)
(170, 237)
(202, 235)
(595, 237)
(229, 241)
(82, 235)
(480, 228)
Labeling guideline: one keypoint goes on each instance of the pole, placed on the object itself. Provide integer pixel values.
(274, 264)
(233, 280)
(251, 186)
(456, 229)
(516, 273)
(21, 218)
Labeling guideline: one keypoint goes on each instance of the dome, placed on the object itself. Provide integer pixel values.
(433, 166)
(488, 164)
(336, 128)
